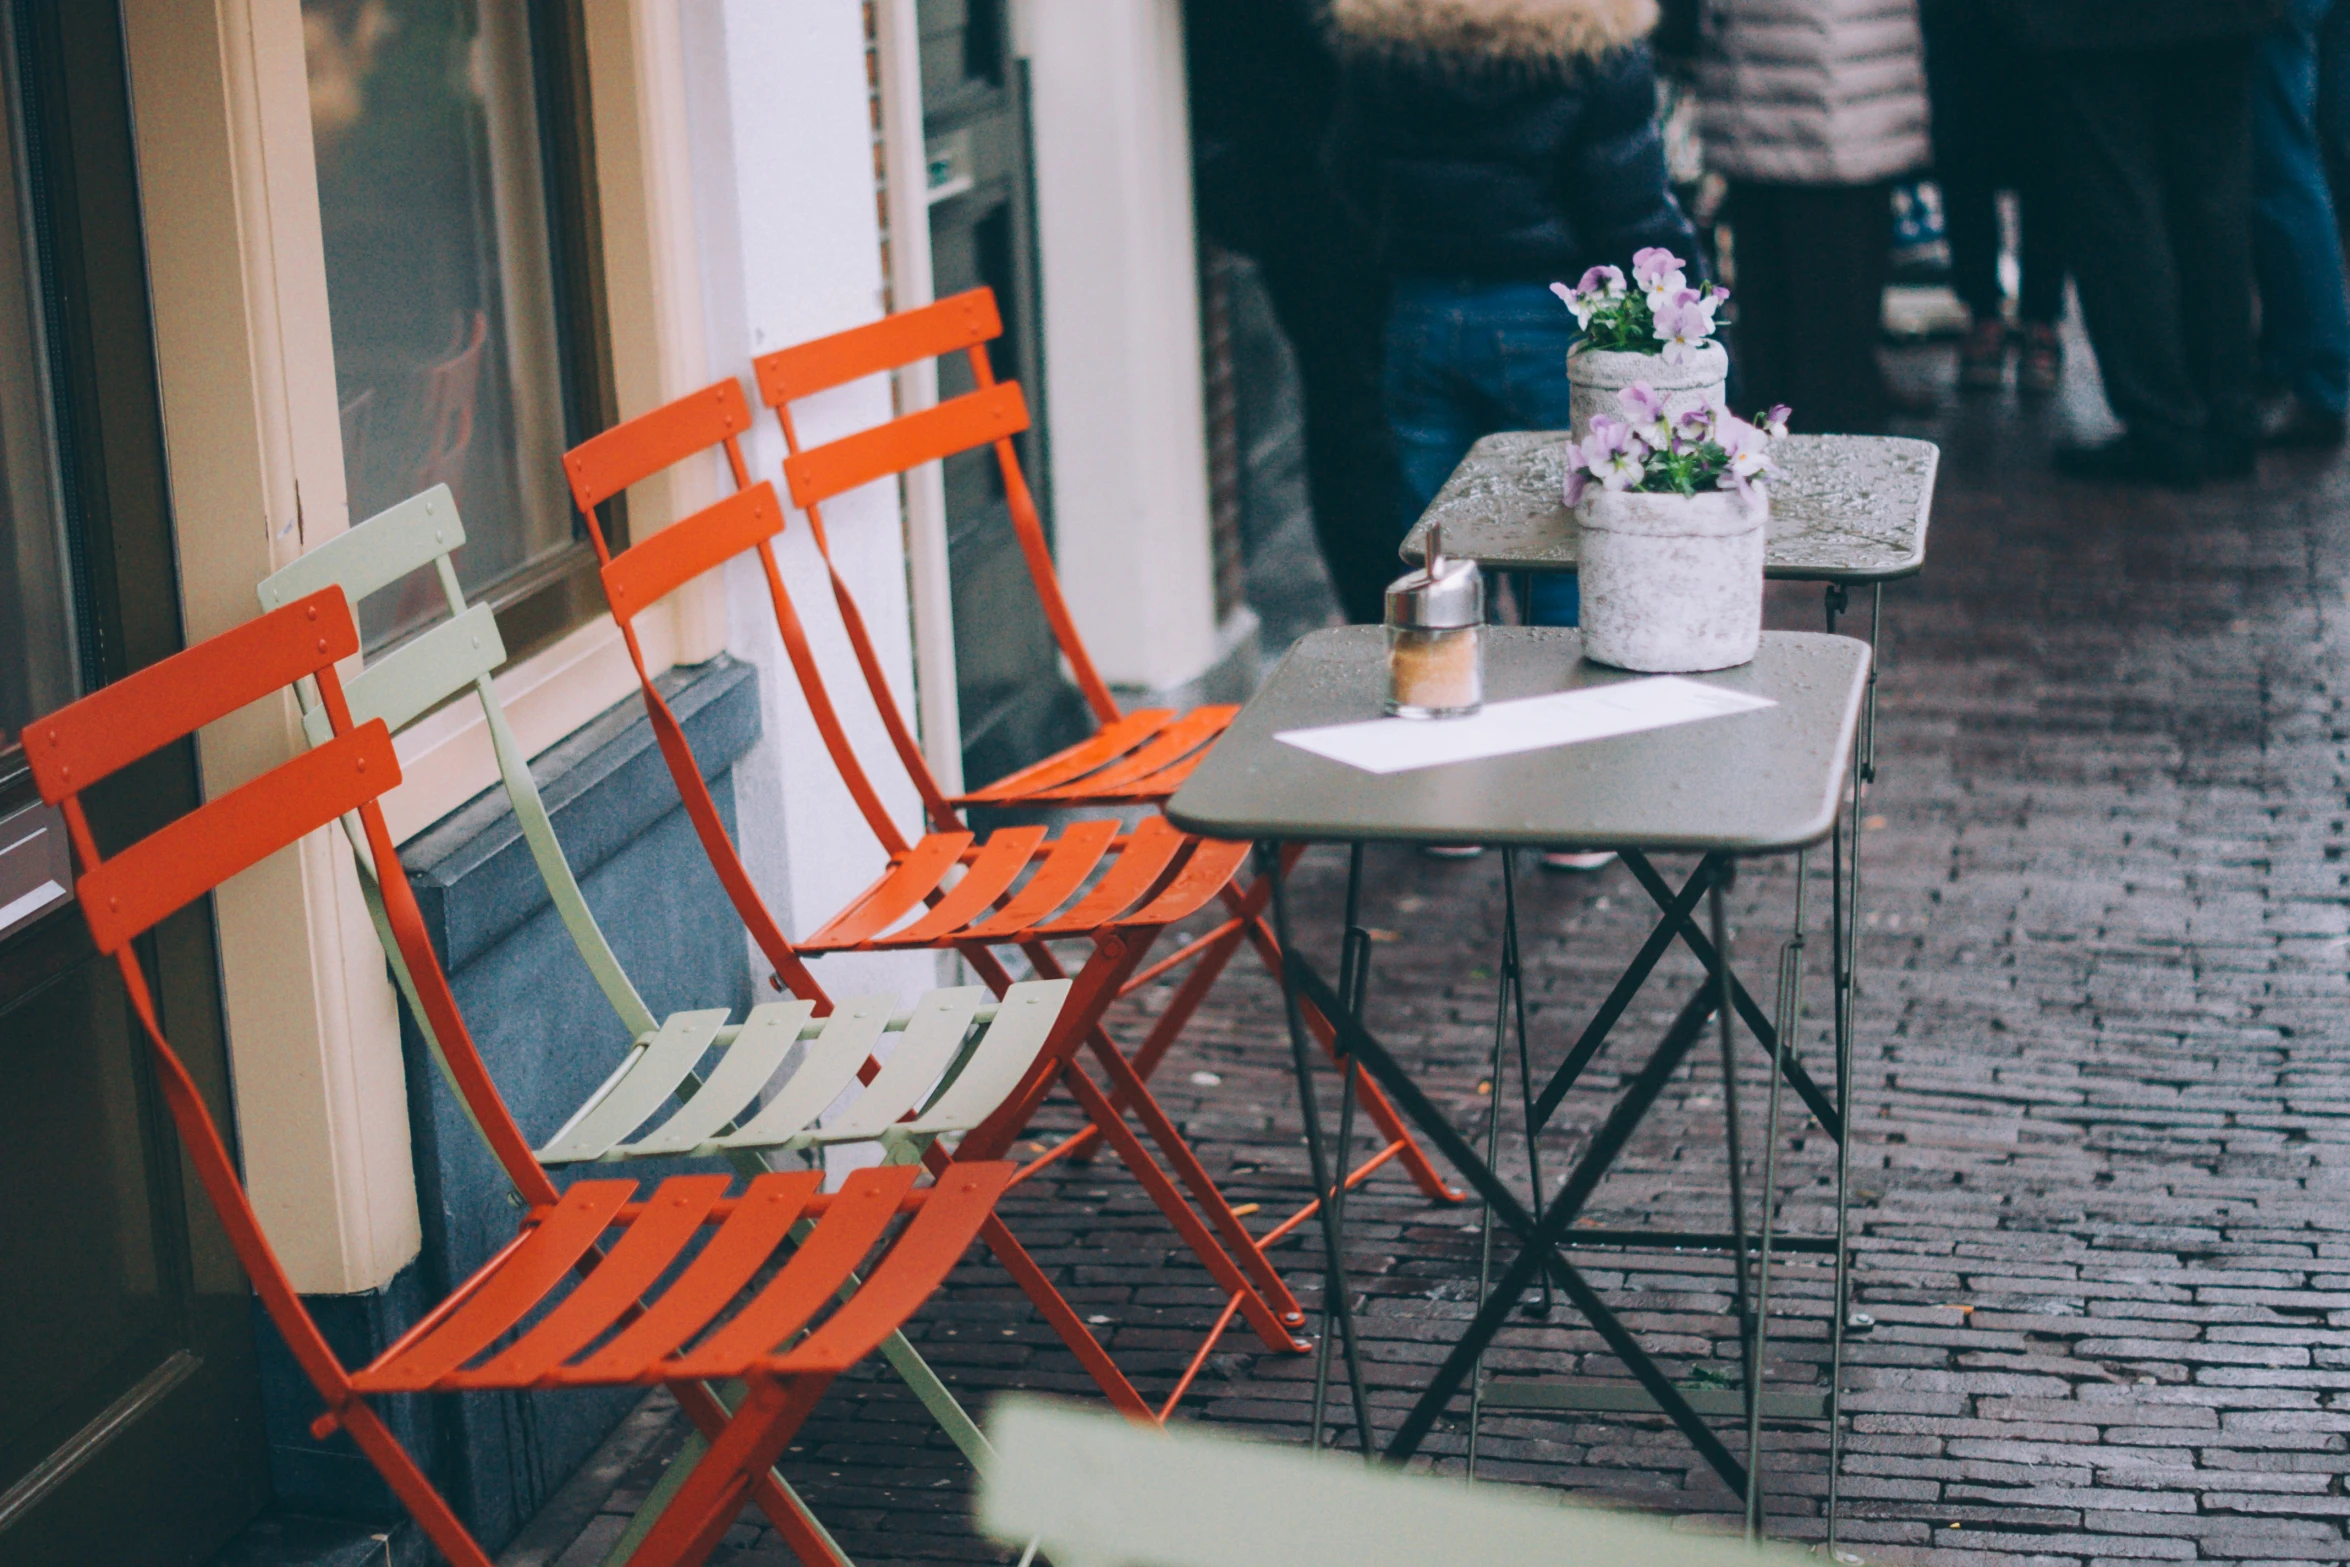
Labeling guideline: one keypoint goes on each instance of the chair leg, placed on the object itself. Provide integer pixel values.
(408, 1483)
(809, 1540)
(1096, 985)
(1039, 1289)
(1129, 1094)
(740, 1455)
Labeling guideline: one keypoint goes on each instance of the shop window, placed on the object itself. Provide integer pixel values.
(453, 190)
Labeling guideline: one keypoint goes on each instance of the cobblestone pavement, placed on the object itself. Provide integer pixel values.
(2102, 1066)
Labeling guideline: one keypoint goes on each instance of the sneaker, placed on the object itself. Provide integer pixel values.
(1452, 851)
(1982, 356)
(1576, 860)
(2039, 368)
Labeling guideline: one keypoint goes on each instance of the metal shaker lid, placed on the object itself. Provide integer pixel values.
(1441, 595)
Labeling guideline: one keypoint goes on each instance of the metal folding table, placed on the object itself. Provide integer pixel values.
(1767, 781)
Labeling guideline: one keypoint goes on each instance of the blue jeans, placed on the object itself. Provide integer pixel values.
(1464, 360)
(2297, 250)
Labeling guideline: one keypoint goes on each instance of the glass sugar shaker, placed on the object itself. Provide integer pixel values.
(1435, 637)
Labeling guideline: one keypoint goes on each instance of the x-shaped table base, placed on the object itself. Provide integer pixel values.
(1543, 1234)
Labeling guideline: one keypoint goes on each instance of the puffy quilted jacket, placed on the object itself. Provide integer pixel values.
(1508, 140)
(1813, 92)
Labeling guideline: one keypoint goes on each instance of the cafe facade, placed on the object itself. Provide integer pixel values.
(271, 266)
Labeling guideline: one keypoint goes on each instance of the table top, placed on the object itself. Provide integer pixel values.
(1752, 782)
(1848, 508)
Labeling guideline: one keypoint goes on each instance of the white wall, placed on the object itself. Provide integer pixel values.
(790, 244)
(1121, 331)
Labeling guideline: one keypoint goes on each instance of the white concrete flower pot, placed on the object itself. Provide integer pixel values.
(1596, 375)
(1672, 584)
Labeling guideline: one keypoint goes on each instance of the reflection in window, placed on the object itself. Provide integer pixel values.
(37, 653)
(439, 277)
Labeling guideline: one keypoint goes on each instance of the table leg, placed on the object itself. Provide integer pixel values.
(1354, 975)
(1513, 971)
(1335, 1300)
(1846, 929)
(1820, 1104)
(1509, 1003)
(1725, 1013)
(1485, 1208)
(1787, 1018)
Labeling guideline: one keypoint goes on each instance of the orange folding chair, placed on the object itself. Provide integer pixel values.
(1137, 758)
(950, 890)
(671, 1287)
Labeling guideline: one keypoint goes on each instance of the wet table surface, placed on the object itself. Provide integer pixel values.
(1848, 508)
(1752, 782)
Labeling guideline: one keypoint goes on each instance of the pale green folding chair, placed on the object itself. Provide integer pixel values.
(958, 1054)
(1097, 1491)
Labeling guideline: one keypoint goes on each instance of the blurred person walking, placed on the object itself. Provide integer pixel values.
(1811, 109)
(1496, 146)
(1264, 88)
(1989, 135)
(2150, 129)
(2297, 243)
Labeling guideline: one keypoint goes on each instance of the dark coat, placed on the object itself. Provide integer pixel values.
(2119, 26)
(1506, 140)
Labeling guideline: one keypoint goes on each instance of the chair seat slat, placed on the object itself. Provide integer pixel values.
(649, 1084)
(1023, 1021)
(894, 895)
(1213, 863)
(1149, 850)
(831, 1064)
(867, 1201)
(1071, 859)
(762, 1217)
(1100, 749)
(646, 1250)
(914, 1269)
(924, 1053)
(732, 1088)
(530, 1271)
(1171, 745)
(1001, 858)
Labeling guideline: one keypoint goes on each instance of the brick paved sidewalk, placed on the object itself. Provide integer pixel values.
(2102, 1068)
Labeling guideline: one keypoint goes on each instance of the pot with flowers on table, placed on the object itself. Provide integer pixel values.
(1674, 511)
(1655, 331)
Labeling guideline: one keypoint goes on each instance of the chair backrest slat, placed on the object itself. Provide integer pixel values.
(181, 861)
(975, 419)
(401, 686)
(374, 554)
(640, 575)
(142, 713)
(413, 679)
(959, 321)
(626, 454)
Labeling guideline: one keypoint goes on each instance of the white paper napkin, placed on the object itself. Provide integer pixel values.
(1536, 723)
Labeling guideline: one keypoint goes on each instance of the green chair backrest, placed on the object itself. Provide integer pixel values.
(1096, 1490)
(427, 670)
